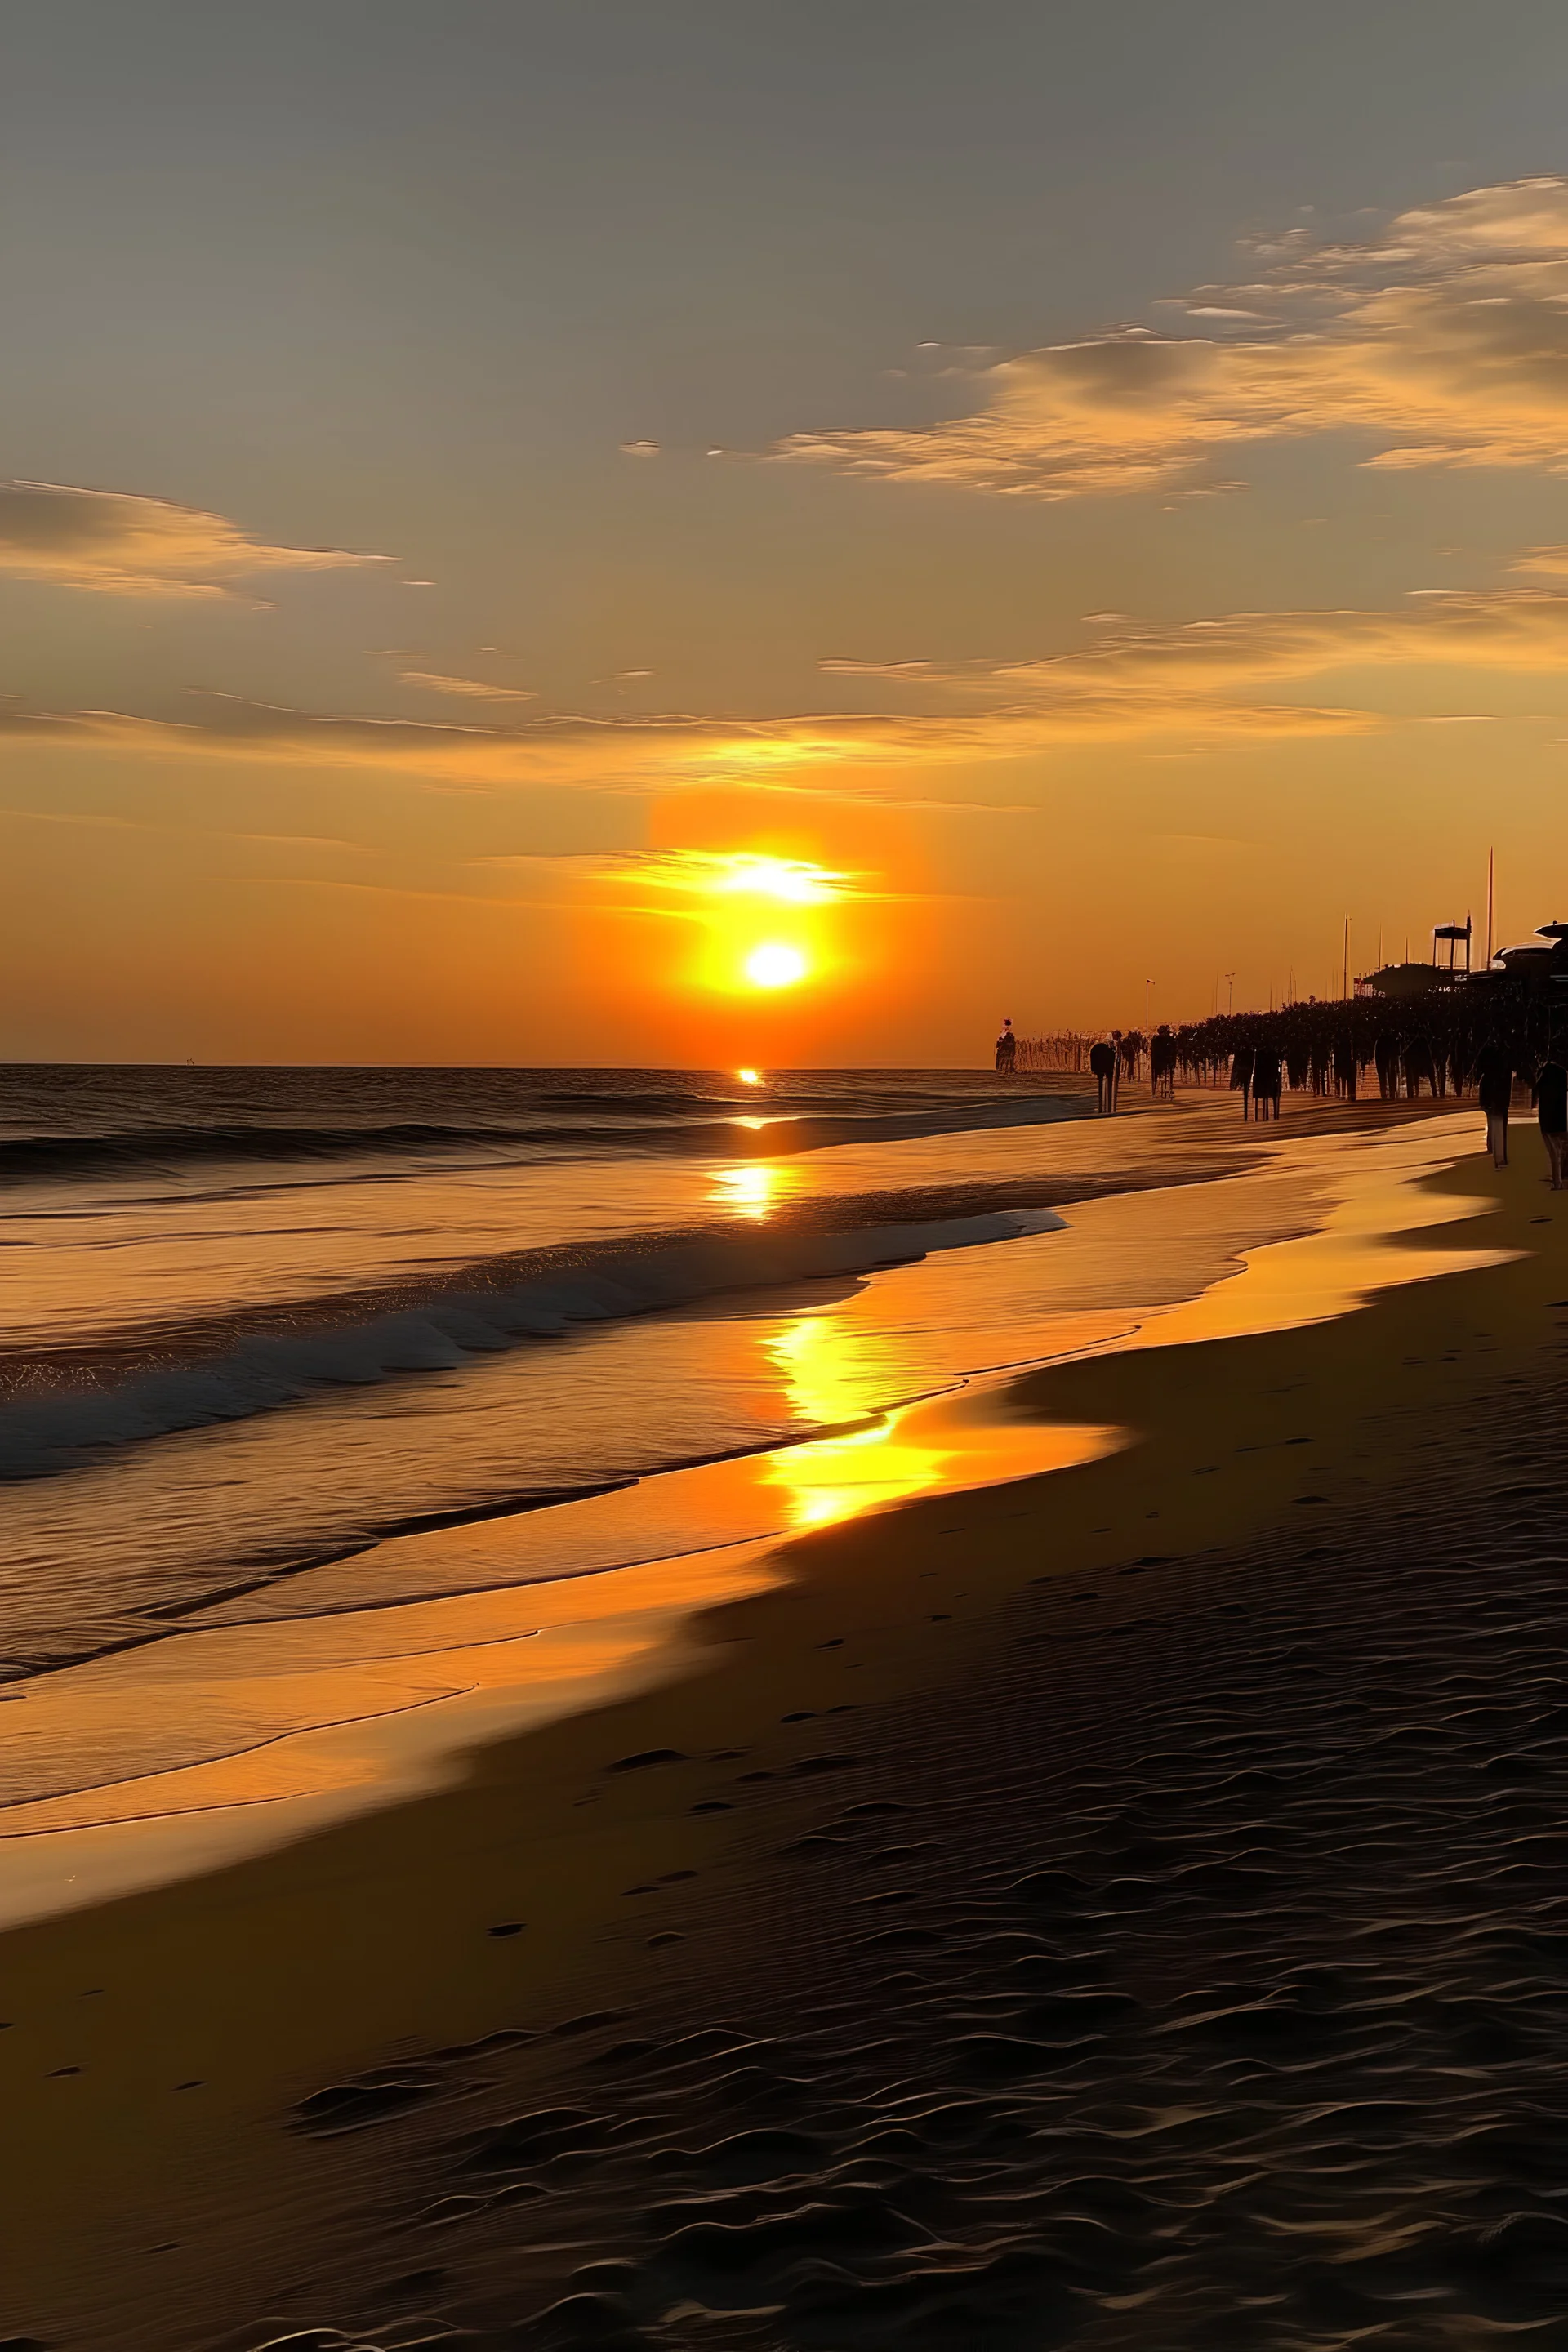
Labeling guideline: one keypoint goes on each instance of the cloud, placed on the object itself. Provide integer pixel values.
(1222, 675)
(105, 820)
(1443, 342)
(902, 673)
(1230, 677)
(1518, 631)
(473, 690)
(123, 545)
(794, 753)
(703, 876)
(873, 755)
(737, 873)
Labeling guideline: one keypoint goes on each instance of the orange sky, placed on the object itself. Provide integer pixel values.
(422, 609)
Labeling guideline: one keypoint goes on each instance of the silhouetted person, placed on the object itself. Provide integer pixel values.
(1102, 1062)
(1346, 1070)
(1419, 1066)
(1494, 1076)
(1266, 1082)
(1241, 1079)
(1162, 1062)
(1007, 1051)
(1552, 1109)
(1386, 1058)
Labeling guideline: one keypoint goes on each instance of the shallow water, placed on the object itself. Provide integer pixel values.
(283, 1708)
(254, 1317)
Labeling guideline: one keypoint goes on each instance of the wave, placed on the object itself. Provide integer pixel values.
(48, 1430)
(39, 1158)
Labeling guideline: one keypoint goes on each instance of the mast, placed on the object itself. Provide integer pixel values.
(1490, 856)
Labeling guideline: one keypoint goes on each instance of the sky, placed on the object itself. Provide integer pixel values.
(720, 531)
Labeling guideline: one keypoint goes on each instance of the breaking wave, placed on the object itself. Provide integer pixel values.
(61, 1410)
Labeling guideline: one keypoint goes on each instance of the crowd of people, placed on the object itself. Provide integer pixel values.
(1450, 1043)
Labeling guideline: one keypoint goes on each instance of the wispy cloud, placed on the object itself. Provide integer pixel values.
(472, 689)
(1219, 676)
(1518, 631)
(1442, 342)
(109, 821)
(737, 874)
(873, 755)
(123, 545)
(1228, 677)
(898, 673)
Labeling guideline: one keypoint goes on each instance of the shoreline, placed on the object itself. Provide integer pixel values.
(1083, 1163)
(254, 1925)
(35, 1374)
(251, 1716)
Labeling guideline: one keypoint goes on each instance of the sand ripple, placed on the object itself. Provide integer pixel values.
(1202, 1981)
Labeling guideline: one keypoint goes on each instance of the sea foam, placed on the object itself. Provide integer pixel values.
(49, 1430)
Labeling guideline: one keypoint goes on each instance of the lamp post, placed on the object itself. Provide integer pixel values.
(1148, 984)
(1230, 997)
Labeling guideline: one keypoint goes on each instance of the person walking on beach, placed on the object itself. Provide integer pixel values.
(1007, 1050)
(1494, 1074)
(1386, 1055)
(1241, 1078)
(1266, 1082)
(1552, 1109)
(1102, 1062)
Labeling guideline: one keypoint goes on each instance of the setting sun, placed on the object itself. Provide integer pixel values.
(775, 966)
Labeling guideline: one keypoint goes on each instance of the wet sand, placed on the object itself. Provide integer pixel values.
(1120, 1907)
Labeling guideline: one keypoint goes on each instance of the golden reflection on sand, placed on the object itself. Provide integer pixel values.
(854, 1470)
(838, 1477)
(948, 1445)
(1358, 1248)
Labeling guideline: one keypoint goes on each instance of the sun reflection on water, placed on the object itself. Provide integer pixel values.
(836, 1477)
(754, 1189)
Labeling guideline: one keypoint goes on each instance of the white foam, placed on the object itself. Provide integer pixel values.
(51, 1431)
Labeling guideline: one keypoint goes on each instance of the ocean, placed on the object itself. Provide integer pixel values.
(257, 1320)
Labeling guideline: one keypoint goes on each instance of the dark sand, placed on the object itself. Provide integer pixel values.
(1160, 1939)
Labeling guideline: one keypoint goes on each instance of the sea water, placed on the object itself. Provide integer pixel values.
(255, 1318)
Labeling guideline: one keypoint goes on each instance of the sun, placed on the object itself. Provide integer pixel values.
(774, 965)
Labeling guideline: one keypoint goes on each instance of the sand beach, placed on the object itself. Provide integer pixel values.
(782, 1469)
(1094, 1879)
